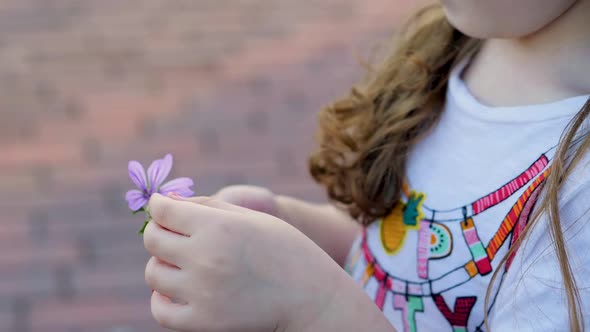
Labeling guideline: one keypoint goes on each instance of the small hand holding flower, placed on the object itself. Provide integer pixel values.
(151, 183)
(216, 266)
(229, 268)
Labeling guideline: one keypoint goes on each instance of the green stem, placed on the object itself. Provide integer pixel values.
(143, 227)
(148, 217)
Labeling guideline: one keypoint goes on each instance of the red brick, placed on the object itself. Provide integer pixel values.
(24, 253)
(230, 87)
(101, 311)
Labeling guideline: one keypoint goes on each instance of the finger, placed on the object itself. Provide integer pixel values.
(165, 278)
(242, 194)
(219, 204)
(252, 197)
(180, 216)
(166, 245)
(168, 314)
(213, 202)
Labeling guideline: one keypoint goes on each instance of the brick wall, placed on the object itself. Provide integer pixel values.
(230, 87)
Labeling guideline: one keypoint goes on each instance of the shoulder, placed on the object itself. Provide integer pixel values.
(532, 295)
(578, 182)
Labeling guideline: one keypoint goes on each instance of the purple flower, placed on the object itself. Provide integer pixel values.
(151, 182)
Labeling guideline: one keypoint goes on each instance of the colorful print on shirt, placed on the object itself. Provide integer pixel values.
(456, 290)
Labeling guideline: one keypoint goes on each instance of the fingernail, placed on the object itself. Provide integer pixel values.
(174, 195)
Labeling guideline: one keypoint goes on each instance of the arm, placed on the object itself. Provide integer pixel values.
(349, 310)
(205, 249)
(331, 229)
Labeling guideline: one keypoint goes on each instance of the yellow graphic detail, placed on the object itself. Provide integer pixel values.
(368, 274)
(393, 230)
(471, 269)
(403, 217)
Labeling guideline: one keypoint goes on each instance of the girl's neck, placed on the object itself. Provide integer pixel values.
(549, 65)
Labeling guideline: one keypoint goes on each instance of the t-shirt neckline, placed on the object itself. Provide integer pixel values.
(459, 93)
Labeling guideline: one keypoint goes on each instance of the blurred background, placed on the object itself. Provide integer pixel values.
(230, 87)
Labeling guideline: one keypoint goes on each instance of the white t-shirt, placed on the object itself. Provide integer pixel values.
(471, 184)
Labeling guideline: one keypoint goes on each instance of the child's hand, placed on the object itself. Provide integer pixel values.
(233, 269)
(251, 197)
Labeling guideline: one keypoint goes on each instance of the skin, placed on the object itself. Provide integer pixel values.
(334, 234)
(536, 51)
(503, 18)
(231, 268)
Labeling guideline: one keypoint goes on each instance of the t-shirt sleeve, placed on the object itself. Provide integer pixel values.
(532, 295)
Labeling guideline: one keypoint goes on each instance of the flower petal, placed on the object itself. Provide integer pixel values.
(158, 171)
(137, 174)
(135, 199)
(180, 186)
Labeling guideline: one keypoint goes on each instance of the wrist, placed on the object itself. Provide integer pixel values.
(345, 307)
(314, 306)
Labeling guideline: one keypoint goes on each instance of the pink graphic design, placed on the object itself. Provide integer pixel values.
(477, 249)
(522, 221)
(382, 290)
(423, 249)
(512, 217)
(434, 242)
(511, 187)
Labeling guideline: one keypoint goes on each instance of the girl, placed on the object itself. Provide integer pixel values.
(464, 160)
